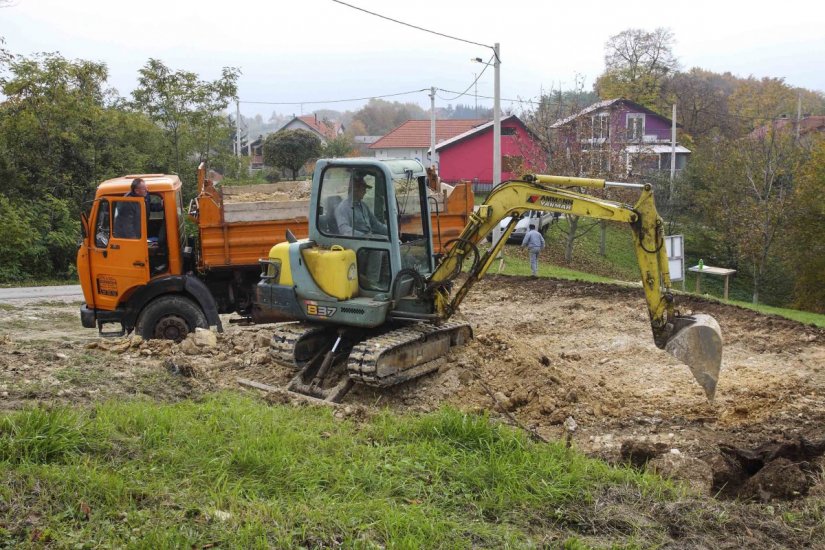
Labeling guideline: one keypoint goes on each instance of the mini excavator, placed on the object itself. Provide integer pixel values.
(365, 300)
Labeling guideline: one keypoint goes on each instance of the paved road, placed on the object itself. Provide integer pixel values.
(25, 293)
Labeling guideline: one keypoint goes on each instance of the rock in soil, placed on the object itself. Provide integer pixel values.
(694, 472)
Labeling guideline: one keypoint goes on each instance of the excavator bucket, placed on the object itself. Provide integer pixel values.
(697, 342)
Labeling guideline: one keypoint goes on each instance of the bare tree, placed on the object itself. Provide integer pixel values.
(636, 65)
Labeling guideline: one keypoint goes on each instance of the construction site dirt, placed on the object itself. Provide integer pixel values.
(558, 359)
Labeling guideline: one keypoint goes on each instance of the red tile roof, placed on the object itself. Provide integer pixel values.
(416, 133)
(326, 128)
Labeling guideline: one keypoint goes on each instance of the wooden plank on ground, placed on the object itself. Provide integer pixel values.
(286, 394)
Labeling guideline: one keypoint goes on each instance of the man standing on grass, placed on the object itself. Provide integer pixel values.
(533, 242)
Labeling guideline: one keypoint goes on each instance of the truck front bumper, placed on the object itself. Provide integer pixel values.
(87, 317)
(91, 318)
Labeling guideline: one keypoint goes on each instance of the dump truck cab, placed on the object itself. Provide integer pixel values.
(132, 252)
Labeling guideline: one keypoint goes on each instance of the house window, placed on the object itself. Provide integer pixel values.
(635, 126)
(600, 161)
(508, 131)
(601, 125)
(512, 164)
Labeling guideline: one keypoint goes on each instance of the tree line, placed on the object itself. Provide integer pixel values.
(63, 130)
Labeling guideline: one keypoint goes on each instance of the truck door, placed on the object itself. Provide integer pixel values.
(119, 254)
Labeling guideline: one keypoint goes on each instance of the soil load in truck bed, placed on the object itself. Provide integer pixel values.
(240, 224)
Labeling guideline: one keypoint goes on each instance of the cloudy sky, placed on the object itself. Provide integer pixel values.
(320, 50)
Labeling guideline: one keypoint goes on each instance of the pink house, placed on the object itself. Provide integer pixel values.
(469, 156)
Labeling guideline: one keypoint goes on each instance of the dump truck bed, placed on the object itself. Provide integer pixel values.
(240, 224)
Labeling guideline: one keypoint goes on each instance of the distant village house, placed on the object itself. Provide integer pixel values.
(620, 136)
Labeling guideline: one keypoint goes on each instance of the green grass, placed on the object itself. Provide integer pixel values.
(802, 316)
(241, 474)
(619, 264)
(517, 265)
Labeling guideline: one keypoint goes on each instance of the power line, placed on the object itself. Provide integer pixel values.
(412, 26)
(491, 97)
(471, 84)
(333, 100)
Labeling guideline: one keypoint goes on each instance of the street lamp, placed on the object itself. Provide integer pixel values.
(496, 112)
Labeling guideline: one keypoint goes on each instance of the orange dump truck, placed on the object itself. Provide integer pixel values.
(161, 282)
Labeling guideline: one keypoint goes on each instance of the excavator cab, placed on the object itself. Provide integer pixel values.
(369, 243)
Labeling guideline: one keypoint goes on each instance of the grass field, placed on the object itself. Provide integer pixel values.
(234, 472)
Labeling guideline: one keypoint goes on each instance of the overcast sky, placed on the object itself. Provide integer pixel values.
(318, 50)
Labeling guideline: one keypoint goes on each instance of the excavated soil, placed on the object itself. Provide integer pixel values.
(276, 192)
(559, 359)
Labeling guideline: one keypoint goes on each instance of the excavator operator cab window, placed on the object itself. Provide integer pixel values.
(353, 203)
(411, 195)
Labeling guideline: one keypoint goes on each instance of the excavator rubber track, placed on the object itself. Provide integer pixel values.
(295, 343)
(388, 358)
(404, 353)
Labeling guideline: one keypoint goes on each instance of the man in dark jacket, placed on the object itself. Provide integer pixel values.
(127, 216)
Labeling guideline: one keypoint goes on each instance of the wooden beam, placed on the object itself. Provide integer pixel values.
(286, 394)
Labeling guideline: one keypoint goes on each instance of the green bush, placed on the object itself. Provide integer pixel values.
(39, 240)
(272, 175)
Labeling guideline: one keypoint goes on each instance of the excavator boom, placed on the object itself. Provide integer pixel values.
(694, 340)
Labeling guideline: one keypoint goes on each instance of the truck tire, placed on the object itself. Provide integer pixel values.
(170, 318)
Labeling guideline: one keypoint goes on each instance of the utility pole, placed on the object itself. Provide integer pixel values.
(432, 126)
(475, 80)
(238, 133)
(672, 150)
(798, 114)
(497, 117)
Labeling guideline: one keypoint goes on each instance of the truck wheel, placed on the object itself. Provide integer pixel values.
(170, 318)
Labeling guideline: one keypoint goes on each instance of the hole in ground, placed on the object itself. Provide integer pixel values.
(782, 470)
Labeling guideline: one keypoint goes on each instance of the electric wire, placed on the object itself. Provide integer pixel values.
(490, 97)
(333, 100)
(412, 26)
(486, 65)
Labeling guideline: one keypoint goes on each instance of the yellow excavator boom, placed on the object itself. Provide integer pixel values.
(695, 340)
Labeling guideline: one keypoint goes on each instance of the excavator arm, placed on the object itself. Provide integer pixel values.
(695, 340)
